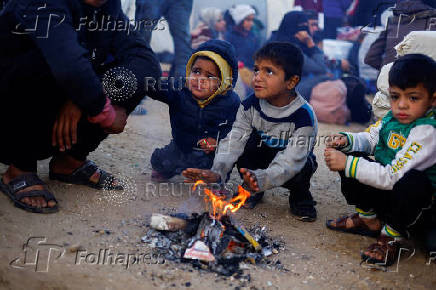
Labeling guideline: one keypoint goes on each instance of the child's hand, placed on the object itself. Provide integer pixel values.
(208, 145)
(250, 179)
(337, 141)
(195, 174)
(335, 160)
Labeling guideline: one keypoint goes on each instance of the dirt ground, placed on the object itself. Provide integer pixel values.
(59, 251)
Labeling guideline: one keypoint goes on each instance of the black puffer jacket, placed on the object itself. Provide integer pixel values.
(53, 47)
(411, 15)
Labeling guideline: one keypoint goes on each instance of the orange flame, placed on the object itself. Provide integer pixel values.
(220, 206)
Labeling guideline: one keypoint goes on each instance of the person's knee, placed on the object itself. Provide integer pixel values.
(414, 185)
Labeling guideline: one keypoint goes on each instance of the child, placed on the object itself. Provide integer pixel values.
(399, 187)
(273, 136)
(200, 114)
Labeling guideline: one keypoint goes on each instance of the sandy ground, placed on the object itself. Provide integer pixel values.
(90, 221)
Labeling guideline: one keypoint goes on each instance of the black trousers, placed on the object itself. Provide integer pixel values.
(259, 156)
(27, 121)
(406, 208)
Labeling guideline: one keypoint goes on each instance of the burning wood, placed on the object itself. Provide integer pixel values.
(166, 223)
(211, 239)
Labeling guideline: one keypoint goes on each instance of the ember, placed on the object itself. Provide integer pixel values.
(211, 240)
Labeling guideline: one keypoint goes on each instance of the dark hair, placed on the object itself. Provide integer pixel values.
(311, 14)
(283, 54)
(413, 69)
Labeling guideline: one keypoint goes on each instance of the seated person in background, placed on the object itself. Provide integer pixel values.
(294, 29)
(200, 114)
(241, 36)
(211, 26)
(272, 139)
(394, 195)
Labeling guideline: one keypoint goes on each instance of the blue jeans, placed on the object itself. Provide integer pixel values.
(177, 14)
(170, 160)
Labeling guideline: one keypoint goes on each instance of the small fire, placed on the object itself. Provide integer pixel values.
(220, 206)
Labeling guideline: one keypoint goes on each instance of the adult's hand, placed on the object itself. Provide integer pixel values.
(120, 121)
(305, 38)
(64, 133)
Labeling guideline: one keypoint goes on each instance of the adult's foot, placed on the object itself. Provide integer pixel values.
(64, 164)
(35, 201)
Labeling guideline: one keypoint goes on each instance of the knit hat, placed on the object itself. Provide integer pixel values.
(240, 12)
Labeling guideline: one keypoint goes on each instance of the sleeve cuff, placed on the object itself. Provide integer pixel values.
(351, 166)
(261, 177)
(350, 141)
(107, 117)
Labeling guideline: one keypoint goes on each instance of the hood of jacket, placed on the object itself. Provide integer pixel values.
(292, 23)
(223, 54)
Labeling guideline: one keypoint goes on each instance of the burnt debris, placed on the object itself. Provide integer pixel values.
(217, 245)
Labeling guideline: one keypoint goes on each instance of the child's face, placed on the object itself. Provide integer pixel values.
(248, 22)
(204, 78)
(269, 81)
(410, 104)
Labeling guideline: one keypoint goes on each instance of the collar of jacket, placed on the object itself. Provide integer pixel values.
(225, 71)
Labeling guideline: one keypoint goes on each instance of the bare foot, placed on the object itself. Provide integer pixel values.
(36, 201)
(372, 224)
(65, 164)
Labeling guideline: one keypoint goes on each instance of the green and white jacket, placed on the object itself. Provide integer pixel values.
(397, 148)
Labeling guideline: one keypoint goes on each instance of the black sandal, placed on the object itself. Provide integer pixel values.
(22, 182)
(81, 176)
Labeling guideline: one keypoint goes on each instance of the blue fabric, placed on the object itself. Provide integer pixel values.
(336, 8)
(189, 122)
(177, 14)
(245, 46)
(303, 117)
(170, 160)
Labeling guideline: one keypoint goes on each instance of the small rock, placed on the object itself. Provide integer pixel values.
(268, 283)
(75, 248)
(275, 251)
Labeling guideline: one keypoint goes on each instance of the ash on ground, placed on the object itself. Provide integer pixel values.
(220, 246)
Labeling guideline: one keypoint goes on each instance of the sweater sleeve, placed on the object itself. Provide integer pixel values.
(364, 141)
(231, 147)
(289, 162)
(419, 152)
(49, 25)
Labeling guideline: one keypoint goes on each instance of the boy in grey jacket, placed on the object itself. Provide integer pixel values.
(273, 136)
